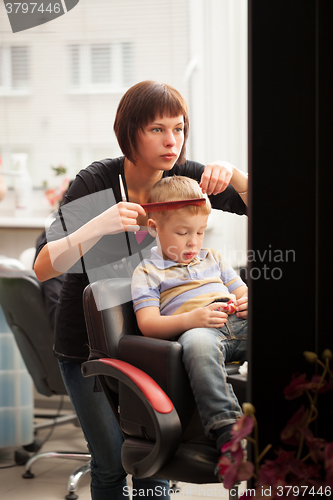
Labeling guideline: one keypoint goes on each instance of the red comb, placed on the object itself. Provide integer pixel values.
(161, 206)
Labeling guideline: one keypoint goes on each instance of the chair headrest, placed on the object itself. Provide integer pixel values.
(13, 268)
(109, 314)
(112, 292)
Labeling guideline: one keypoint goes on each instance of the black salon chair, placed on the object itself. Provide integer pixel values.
(23, 306)
(147, 386)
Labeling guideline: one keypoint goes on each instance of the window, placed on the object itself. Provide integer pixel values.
(9, 166)
(81, 155)
(14, 70)
(104, 67)
(101, 64)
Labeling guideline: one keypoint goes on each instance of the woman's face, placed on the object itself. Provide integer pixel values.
(159, 144)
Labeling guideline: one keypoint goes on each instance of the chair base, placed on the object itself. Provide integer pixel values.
(53, 420)
(74, 479)
(193, 462)
(75, 476)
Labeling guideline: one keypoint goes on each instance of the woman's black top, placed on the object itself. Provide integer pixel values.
(95, 189)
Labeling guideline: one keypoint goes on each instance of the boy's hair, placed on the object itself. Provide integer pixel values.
(139, 106)
(178, 187)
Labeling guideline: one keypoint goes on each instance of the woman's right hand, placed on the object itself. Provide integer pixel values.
(118, 218)
(60, 255)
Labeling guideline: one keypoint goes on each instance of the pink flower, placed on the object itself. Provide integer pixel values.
(242, 428)
(298, 385)
(55, 195)
(234, 471)
(325, 386)
(274, 472)
(303, 474)
(291, 434)
(286, 470)
(316, 445)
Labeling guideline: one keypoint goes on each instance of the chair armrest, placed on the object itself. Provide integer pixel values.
(157, 357)
(162, 412)
(162, 360)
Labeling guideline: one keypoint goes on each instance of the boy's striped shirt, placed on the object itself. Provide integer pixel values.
(177, 288)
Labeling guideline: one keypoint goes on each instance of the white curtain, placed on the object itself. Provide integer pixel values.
(217, 72)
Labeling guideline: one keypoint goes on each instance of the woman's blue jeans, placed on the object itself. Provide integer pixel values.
(104, 438)
(205, 353)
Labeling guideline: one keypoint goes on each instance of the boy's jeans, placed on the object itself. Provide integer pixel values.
(205, 352)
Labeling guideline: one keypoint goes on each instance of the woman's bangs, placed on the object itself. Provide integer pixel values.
(169, 105)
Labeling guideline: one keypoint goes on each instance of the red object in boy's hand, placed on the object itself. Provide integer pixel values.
(229, 308)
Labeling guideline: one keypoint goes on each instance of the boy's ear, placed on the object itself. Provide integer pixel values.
(152, 228)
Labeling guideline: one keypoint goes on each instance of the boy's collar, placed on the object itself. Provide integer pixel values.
(161, 263)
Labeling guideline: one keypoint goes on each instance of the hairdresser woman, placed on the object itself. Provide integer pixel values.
(96, 227)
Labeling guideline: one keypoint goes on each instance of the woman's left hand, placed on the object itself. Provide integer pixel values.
(242, 307)
(216, 177)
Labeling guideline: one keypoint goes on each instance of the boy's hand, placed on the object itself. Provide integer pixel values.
(208, 316)
(242, 307)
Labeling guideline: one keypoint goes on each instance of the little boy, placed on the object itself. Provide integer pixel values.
(173, 294)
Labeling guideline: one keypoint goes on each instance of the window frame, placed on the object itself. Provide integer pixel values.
(117, 83)
(7, 87)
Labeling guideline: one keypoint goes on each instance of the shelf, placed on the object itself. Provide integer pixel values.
(30, 222)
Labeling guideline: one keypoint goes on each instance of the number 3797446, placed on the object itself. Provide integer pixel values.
(32, 8)
(295, 491)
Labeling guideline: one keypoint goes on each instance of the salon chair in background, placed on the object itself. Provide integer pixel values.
(23, 305)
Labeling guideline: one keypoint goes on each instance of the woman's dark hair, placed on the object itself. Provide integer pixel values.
(139, 106)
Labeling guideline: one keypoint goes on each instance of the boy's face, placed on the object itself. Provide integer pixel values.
(180, 236)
